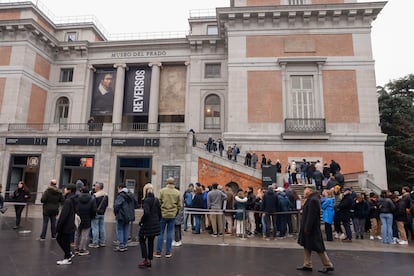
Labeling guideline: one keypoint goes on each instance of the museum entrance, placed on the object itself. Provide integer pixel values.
(135, 172)
(23, 168)
(77, 167)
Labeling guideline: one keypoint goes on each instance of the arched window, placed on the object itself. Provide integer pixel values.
(62, 110)
(212, 112)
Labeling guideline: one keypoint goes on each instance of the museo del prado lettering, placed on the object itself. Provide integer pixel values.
(130, 54)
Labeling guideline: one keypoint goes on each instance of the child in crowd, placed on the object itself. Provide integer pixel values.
(179, 220)
(2, 208)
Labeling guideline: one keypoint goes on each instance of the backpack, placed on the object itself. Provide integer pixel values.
(237, 150)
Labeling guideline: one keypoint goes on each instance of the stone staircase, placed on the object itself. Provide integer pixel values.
(351, 179)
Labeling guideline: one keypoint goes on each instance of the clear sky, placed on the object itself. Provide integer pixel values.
(392, 37)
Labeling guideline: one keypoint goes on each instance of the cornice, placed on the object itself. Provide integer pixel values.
(291, 14)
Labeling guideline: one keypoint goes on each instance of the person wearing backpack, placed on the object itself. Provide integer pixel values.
(98, 223)
(284, 206)
(86, 210)
(124, 214)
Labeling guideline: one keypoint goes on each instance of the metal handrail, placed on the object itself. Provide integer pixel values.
(28, 126)
(137, 127)
(81, 126)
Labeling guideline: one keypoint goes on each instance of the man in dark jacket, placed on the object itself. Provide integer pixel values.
(269, 206)
(124, 214)
(87, 211)
(310, 234)
(51, 199)
(343, 210)
(65, 227)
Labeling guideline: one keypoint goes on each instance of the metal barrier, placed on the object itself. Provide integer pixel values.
(197, 211)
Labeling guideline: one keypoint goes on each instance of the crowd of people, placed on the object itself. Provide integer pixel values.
(269, 212)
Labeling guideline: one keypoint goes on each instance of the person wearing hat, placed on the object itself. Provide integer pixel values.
(170, 206)
(310, 234)
(51, 199)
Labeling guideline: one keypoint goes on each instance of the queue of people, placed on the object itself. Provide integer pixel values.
(270, 212)
(386, 217)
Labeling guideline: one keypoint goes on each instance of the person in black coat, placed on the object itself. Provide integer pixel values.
(20, 195)
(86, 210)
(269, 206)
(310, 234)
(197, 202)
(51, 200)
(149, 227)
(343, 210)
(65, 227)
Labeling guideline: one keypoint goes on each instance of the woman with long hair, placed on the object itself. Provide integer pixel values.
(386, 210)
(21, 195)
(149, 226)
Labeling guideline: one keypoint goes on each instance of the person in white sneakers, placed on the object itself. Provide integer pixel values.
(65, 227)
(375, 231)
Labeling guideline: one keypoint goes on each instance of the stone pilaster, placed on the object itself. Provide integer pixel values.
(119, 93)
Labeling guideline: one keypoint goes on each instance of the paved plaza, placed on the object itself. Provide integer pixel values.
(22, 254)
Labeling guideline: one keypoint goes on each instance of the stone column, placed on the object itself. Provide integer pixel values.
(154, 95)
(119, 93)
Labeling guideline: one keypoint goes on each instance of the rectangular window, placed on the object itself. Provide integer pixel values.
(296, 2)
(302, 96)
(171, 118)
(66, 75)
(212, 30)
(71, 36)
(212, 70)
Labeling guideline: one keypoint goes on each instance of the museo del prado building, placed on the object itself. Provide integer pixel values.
(290, 79)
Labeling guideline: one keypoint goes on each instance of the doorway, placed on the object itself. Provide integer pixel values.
(134, 172)
(23, 168)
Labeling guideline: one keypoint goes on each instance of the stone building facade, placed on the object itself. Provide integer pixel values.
(291, 79)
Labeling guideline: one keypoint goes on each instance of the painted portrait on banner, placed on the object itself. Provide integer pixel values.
(103, 92)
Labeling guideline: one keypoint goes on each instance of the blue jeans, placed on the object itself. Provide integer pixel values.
(122, 230)
(197, 223)
(186, 216)
(386, 227)
(169, 224)
(46, 219)
(98, 230)
(303, 175)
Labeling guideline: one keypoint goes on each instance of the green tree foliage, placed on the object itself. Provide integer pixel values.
(396, 106)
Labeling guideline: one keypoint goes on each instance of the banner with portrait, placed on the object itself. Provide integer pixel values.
(103, 92)
(137, 91)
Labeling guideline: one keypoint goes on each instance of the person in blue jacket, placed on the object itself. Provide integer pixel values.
(328, 212)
